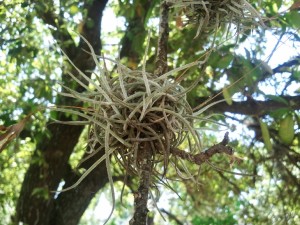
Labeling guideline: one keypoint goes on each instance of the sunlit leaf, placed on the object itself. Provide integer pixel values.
(293, 18)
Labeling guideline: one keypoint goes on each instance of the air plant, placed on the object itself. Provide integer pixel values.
(129, 111)
(131, 108)
(209, 15)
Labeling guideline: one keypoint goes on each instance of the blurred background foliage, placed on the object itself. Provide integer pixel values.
(256, 71)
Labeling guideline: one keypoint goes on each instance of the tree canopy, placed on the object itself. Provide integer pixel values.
(175, 111)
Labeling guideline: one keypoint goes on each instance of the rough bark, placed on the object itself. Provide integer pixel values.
(53, 152)
(162, 49)
(204, 156)
(141, 196)
(44, 174)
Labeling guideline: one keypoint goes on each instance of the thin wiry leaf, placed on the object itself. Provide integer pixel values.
(86, 173)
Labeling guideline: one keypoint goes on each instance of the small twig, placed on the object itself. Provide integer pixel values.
(172, 216)
(236, 188)
(275, 48)
(203, 157)
(207, 154)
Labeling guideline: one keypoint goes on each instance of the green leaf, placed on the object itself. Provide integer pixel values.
(296, 75)
(226, 48)
(265, 135)
(227, 96)
(213, 59)
(286, 130)
(225, 61)
(277, 99)
(293, 18)
(279, 113)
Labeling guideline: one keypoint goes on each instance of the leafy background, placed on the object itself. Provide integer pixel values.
(32, 66)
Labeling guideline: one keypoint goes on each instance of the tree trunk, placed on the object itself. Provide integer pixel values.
(37, 204)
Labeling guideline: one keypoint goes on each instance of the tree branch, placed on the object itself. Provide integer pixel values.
(141, 196)
(172, 217)
(207, 154)
(236, 188)
(253, 107)
(162, 52)
(287, 65)
(145, 155)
